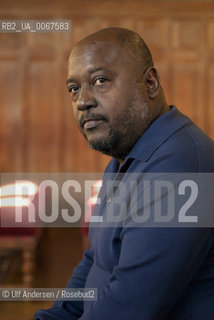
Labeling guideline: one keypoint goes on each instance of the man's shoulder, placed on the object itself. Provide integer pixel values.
(190, 147)
(187, 149)
(173, 143)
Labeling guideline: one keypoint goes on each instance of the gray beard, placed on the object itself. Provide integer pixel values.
(111, 146)
(108, 146)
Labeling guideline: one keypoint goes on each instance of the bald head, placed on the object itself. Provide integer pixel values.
(126, 39)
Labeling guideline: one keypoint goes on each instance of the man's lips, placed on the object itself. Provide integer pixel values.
(90, 124)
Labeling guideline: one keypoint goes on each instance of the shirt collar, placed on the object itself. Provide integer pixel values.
(158, 132)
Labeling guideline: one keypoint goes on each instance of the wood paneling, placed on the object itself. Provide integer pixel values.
(11, 116)
(37, 129)
(209, 80)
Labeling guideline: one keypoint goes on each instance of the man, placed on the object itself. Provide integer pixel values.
(140, 273)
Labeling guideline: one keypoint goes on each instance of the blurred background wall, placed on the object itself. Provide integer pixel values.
(37, 130)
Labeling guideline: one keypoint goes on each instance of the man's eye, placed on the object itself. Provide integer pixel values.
(99, 81)
(73, 89)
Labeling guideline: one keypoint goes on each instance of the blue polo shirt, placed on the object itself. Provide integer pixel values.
(149, 273)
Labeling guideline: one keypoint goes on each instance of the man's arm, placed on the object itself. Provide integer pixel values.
(69, 310)
(154, 269)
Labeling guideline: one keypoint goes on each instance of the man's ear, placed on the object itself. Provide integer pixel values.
(152, 82)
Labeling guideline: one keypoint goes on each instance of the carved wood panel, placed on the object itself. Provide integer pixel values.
(37, 129)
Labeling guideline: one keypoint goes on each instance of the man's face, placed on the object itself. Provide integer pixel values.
(109, 97)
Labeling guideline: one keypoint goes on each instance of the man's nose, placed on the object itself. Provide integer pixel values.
(86, 100)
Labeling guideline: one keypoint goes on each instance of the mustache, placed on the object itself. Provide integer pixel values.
(86, 117)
